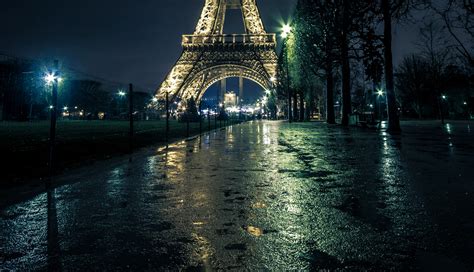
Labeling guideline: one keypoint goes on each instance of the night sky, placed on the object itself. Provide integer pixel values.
(121, 40)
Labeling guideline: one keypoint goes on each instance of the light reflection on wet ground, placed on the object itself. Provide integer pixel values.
(261, 196)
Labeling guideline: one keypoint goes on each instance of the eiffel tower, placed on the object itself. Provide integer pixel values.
(210, 56)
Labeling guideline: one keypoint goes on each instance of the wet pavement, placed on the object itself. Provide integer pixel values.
(260, 196)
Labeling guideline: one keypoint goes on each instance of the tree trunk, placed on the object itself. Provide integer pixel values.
(346, 68)
(393, 118)
(295, 105)
(331, 118)
(302, 107)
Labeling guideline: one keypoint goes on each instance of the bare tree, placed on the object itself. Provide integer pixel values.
(458, 19)
(412, 83)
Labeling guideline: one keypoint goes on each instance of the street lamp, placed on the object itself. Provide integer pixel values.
(53, 78)
(380, 92)
(441, 107)
(286, 30)
(121, 93)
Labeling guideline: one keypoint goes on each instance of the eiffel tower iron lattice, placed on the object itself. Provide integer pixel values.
(209, 55)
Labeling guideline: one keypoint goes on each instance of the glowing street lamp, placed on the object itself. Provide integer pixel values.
(52, 79)
(121, 93)
(154, 99)
(286, 30)
(380, 92)
(444, 97)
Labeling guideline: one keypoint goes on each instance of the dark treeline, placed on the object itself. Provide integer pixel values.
(24, 94)
(337, 61)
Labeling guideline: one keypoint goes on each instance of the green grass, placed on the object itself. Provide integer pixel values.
(24, 146)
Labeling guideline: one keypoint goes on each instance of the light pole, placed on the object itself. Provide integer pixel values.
(285, 34)
(380, 94)
(441, 108)
(121, 94)
(53, 78)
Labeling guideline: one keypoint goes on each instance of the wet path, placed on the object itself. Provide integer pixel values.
(260, 196)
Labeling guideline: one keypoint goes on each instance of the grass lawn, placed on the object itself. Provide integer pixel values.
(24, 146)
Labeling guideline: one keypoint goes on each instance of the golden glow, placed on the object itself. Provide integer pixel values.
(257, 232)
(191, 76)
(259, 205)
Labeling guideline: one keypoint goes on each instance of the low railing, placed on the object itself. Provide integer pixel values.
(189, 40)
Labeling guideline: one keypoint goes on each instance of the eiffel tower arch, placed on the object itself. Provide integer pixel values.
(209, 55)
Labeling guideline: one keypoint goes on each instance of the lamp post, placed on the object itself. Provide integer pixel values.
(121, 94)
(53, 78)
(380, 94)
(441, 108)
(285, 34)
